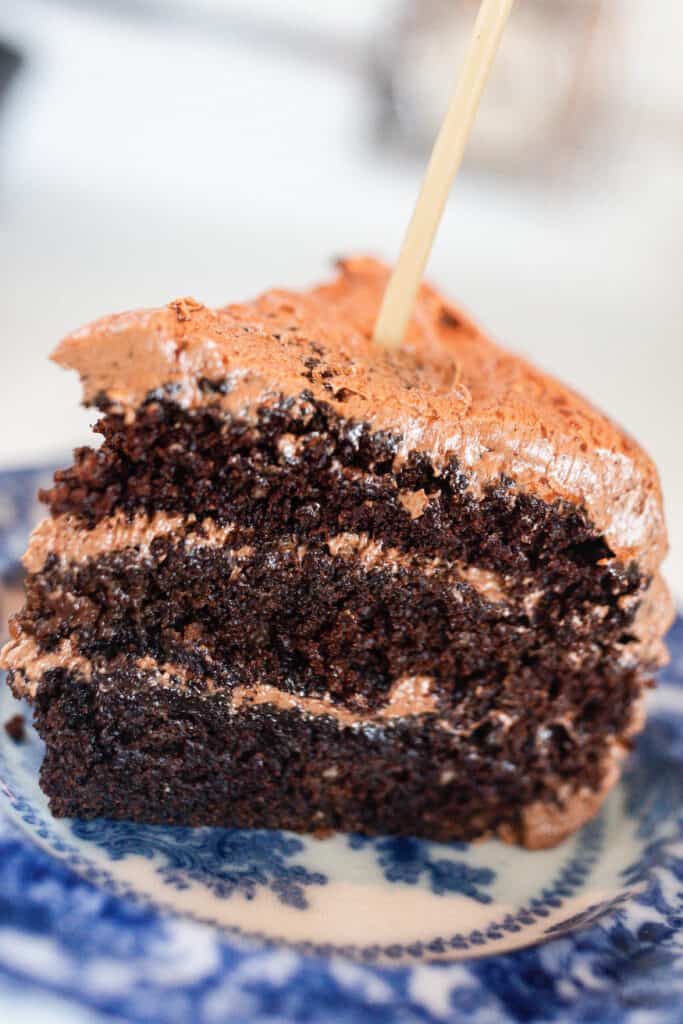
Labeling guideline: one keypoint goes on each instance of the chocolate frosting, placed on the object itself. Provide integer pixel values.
(449, 391)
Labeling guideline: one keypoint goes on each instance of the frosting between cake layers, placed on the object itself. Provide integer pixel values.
(374, 554)
(409, 695)
(449, 392)
(542, 824)
(65, 537)
(22, 655)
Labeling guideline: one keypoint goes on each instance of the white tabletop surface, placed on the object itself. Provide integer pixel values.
(139, 163)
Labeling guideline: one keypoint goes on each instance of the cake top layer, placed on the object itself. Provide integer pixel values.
(448, 392)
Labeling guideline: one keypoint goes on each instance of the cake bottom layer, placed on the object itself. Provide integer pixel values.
(162, 756)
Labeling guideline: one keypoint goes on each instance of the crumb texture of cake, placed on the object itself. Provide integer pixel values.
(306, 583)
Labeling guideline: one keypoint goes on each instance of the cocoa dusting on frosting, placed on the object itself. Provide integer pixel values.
(449, 391)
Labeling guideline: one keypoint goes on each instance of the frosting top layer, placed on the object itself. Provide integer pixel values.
(449, 391)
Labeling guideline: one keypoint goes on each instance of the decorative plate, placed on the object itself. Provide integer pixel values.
(174, 924)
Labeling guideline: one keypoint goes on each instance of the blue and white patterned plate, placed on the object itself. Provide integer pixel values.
(173, 924)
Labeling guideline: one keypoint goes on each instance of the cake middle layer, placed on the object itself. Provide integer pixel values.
(342, 617)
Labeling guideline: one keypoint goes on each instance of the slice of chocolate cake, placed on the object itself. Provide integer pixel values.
(307, 583)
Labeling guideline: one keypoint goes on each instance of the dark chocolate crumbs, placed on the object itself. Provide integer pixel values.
(15, 728)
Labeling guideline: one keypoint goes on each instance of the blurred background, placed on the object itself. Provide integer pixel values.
(156, 148)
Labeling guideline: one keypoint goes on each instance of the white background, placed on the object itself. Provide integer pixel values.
(140, 161)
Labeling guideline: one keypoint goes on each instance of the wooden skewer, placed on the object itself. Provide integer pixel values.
(401, 292)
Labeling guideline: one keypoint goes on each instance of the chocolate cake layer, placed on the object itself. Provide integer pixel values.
(120, 749)
(301, 470)
(305, 584)
(309, 622)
